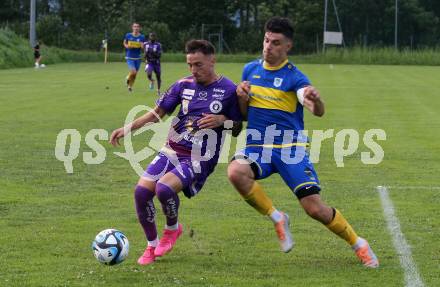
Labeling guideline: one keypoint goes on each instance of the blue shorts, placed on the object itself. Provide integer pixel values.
(292, 163)
(133, 64)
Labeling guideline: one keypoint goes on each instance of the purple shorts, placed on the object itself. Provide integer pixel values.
(182, 167)
(150, 67)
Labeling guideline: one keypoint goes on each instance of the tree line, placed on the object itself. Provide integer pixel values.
(83, 24)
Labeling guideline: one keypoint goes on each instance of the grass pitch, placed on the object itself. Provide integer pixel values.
(48, 218)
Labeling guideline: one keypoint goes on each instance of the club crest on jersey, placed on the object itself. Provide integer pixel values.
(215, 107)
(185, 104)
(277, 82)
(203, 96)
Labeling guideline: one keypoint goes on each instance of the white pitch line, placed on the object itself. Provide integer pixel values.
(412, 276)
(418, 187)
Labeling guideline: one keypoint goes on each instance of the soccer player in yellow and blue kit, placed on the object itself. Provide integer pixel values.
(133, 43)
(273, 95)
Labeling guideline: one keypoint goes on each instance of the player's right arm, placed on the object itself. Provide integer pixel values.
(150, 117)
(243, 90)
(125, 43)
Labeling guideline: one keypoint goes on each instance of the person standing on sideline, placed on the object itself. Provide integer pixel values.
(37, 56)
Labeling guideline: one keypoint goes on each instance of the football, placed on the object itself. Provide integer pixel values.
(110, 247)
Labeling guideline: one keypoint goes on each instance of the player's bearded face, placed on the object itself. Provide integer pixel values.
(201, 66)
(275, 47)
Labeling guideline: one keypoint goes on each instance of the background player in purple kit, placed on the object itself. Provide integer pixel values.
(207, 101)
(153, 51)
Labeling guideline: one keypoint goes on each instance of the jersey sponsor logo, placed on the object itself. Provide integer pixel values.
(218, 93)
(216, 107)
(185, 105)
(217, 90)
(271, 98)
(189, 92)
(256, 76)
(189, 124)
(277, 82)
(203, 96)
(134, 44)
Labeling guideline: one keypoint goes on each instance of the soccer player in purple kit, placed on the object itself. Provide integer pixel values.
(153, 51)
(208, 102)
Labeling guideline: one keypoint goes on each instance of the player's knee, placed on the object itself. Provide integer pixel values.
(138, 193)
(142, 193)
(237, 172)
(163, 192)
(313, 211)
(317, 212)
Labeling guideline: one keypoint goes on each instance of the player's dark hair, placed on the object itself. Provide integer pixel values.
(280, 25)
(202, 46)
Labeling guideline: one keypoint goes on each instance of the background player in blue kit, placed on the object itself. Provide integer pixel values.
(206, 101)
(273, 94)
(133, 48)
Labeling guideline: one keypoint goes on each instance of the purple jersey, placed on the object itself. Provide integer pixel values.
(218, 97)
(153, 51)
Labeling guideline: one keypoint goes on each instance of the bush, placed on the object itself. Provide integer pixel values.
(16, 52)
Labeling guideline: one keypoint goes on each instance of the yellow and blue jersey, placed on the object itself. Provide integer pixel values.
(135, 46)
(274, 141)
(273, 100)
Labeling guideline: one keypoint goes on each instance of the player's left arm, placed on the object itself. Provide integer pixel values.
(159, 51)
(311, 99)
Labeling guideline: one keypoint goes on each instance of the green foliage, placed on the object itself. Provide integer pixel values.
(50, 26)
(373, 56)
(16, 52)
(82, 24)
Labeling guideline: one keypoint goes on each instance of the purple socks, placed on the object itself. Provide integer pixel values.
(145, 210)
(170, 202)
